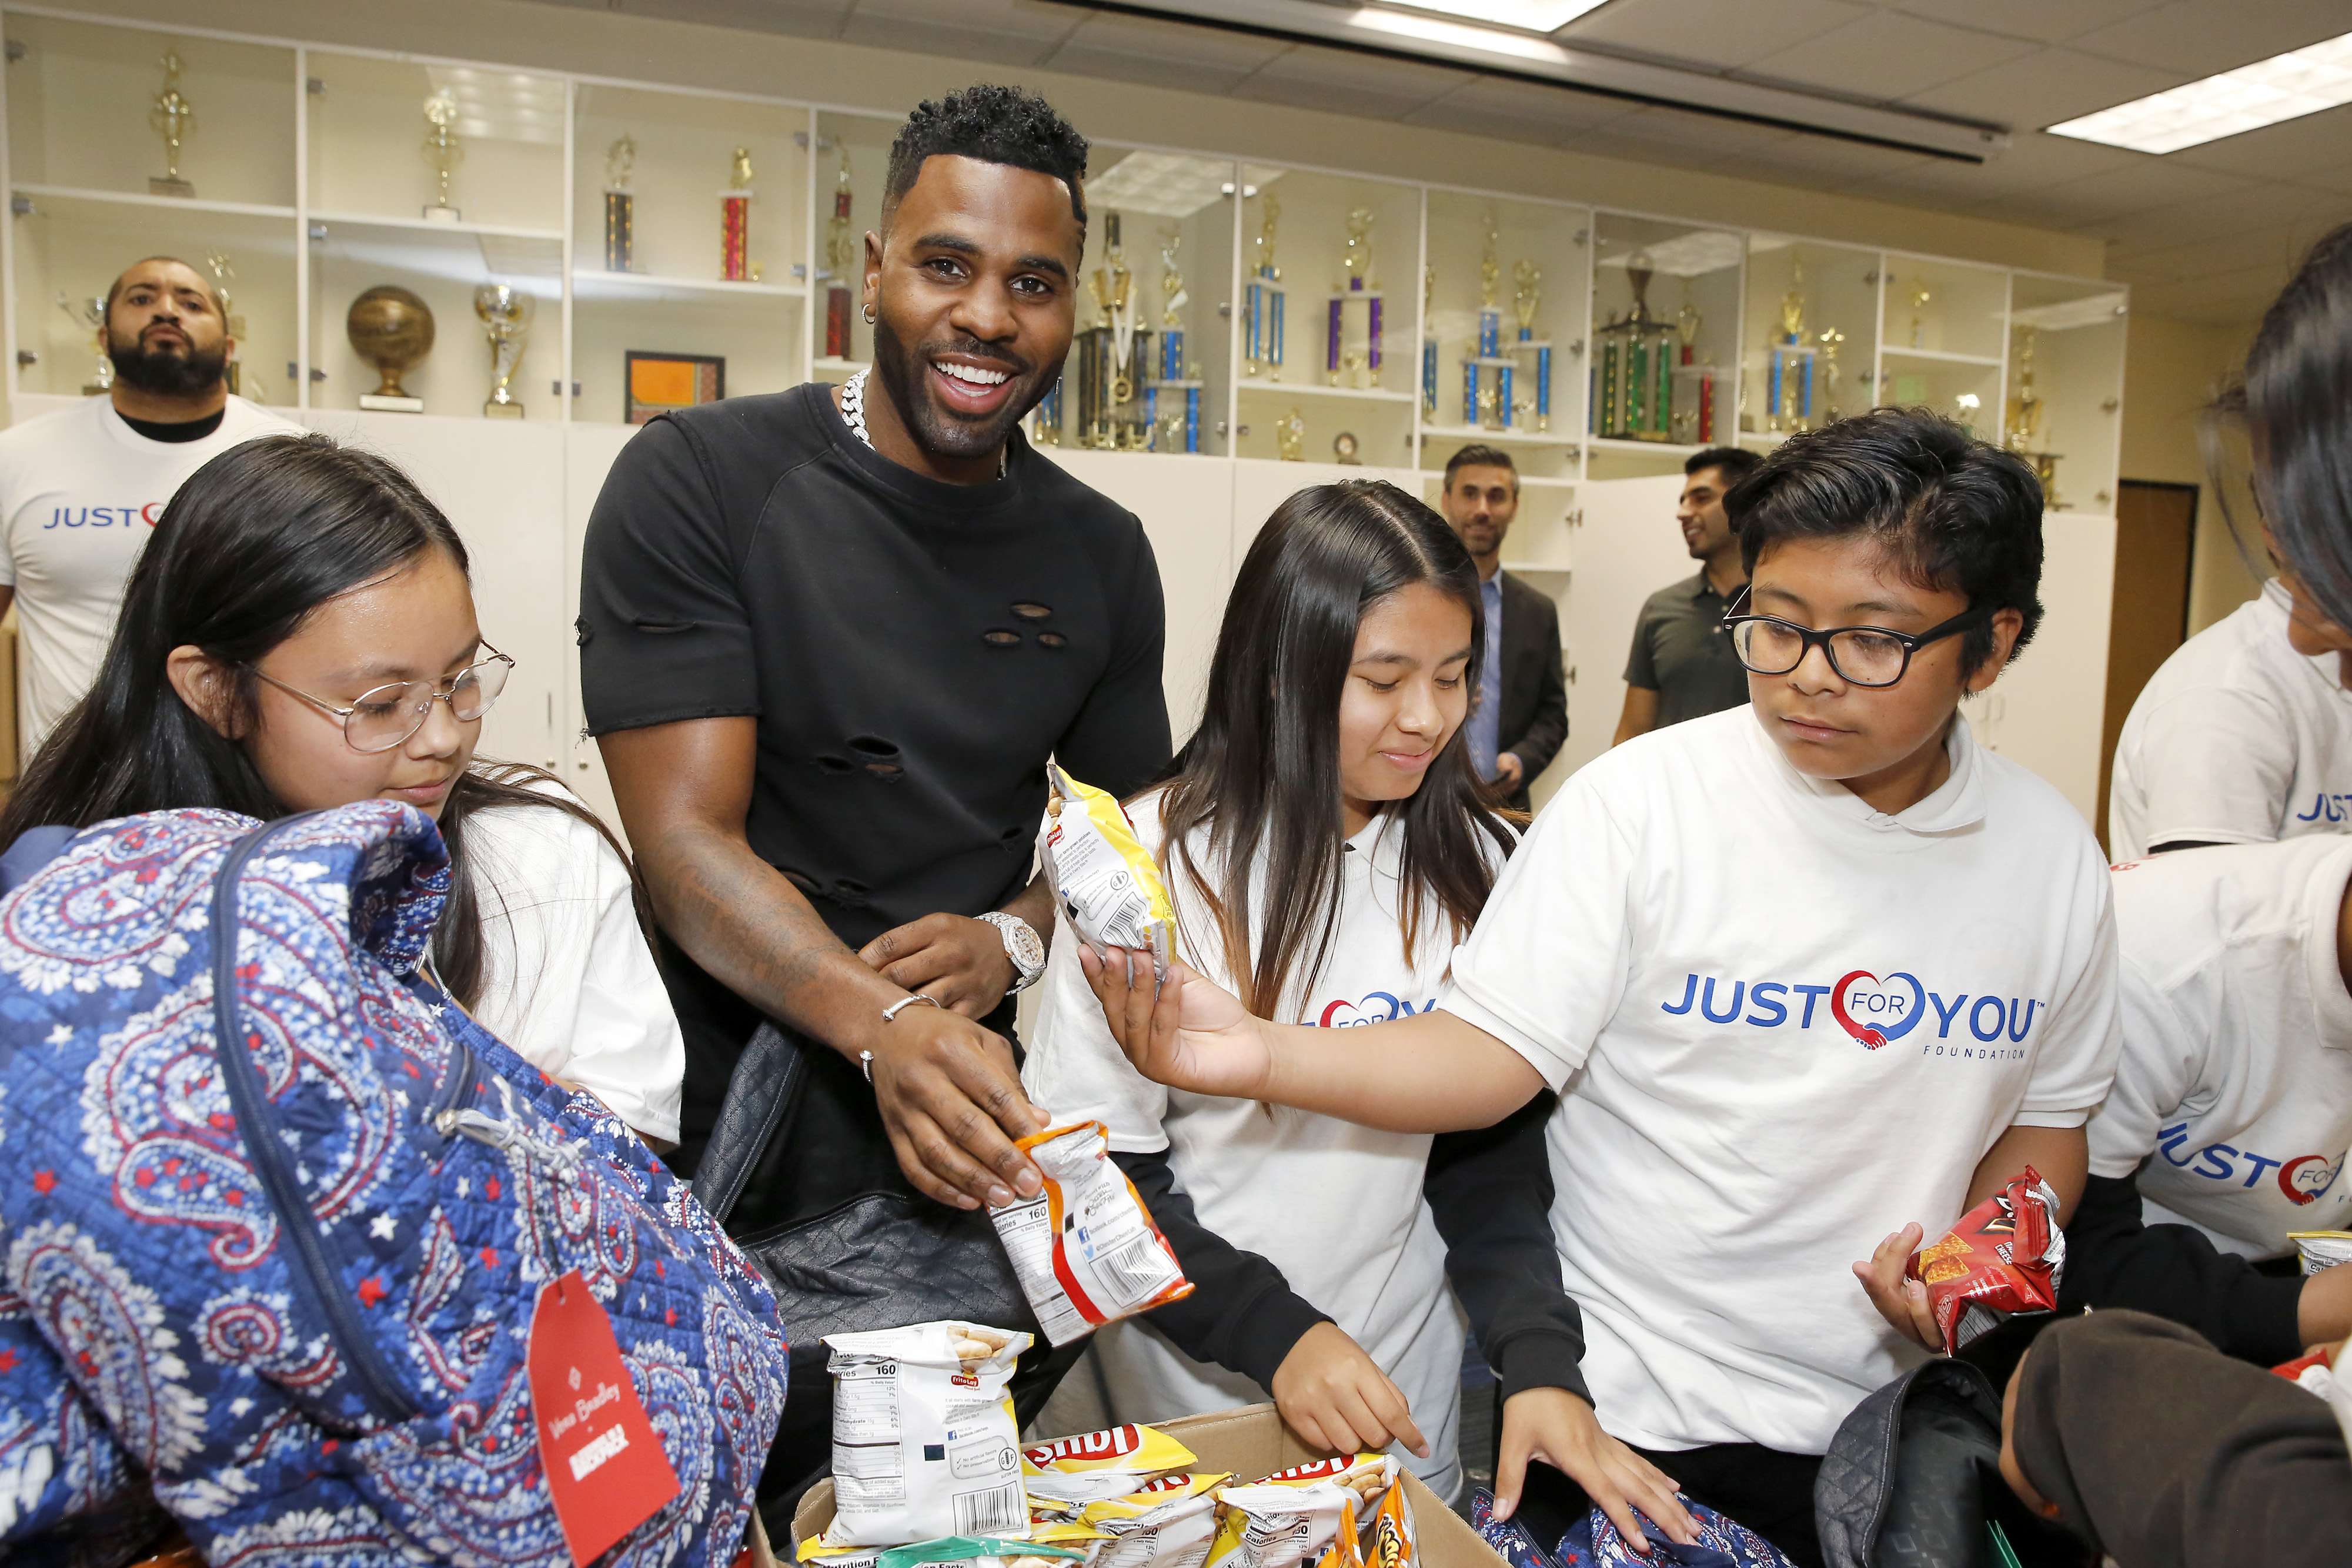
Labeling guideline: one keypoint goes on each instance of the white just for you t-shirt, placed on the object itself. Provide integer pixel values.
(2235, 1085)
(1337, 1207)
(1783, 1024)
(80, 491)
(2237, 739)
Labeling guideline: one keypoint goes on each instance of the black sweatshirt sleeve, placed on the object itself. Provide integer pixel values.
(1242, 1313)
(1490, 1192)
(2114, 1259)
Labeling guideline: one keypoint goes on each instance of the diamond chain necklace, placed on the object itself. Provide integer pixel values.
(853, 411)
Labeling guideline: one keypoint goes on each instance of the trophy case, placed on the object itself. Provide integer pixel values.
(1941, 337)
(654, 233)
(1661, 368)
(1152, 357)
(850, 165)
(126, 142)
(445, 183)
(1330, 308)
(2063, 406)
(1809, 354)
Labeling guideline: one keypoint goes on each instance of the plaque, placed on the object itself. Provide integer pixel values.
(735, 221)
(620, 206)
(505, 313)
(841, 264)
(659, 384)
(172, 116)
(391, 330)
(443, 153)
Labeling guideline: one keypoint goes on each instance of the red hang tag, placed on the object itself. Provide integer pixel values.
(605, 1464)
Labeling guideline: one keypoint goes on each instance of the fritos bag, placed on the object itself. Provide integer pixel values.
(2003, 1257)
(1106, 883)
(1095, 1466)
(924, 1441)
(2322, 1249)
(1085, 1250)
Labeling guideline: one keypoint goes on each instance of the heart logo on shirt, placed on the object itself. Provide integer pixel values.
(2307, 1179)
(1874, 1011)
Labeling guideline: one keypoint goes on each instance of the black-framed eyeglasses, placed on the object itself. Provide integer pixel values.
(1861, 655)
(382, 717)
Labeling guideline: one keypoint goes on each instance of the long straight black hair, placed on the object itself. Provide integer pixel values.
(1261, 773)
(2296, 406)
(256, 541)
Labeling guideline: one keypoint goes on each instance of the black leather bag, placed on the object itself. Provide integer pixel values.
(1904, 1480)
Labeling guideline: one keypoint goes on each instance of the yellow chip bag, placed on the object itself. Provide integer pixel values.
(2322, 1249)
(1084, 1249)
(1097, 1466)
(1152, 1496)
(1282, 1524)
(1106, 885)
(1366, 1474)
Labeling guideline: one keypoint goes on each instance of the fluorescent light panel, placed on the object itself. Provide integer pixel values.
(1528, 15)
(2284, 87)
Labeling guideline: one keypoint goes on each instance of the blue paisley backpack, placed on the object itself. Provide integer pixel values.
(275, 1216)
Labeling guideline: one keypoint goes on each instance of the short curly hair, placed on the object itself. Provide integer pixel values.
(995, 124)
(1945, 510)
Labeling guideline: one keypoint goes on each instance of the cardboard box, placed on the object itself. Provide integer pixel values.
(1252, 1442)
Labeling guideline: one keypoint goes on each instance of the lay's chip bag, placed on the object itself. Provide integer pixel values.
(1098, 1466)
(1106, 883)
(1086, 1248)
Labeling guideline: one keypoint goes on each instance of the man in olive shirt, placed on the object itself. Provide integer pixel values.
(1682, 666)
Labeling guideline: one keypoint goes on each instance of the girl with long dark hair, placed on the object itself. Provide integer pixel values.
(300, 633)
(1326, 843)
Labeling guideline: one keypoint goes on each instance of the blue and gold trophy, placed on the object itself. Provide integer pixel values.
(1261, 303)
(1171, 401)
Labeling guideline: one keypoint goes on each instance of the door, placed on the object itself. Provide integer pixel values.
(2156, 539)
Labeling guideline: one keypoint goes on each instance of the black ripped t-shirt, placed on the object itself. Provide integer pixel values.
(914, 651)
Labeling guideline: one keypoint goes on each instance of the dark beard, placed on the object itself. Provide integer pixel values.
(169, 374)
(939, 434)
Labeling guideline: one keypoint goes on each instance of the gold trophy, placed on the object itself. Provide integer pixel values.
(1113, 286)
(1920, 296)
(505, 312)
(90, 313)
(620, 206)
(390, 330)
(2024, 434)
(442, 151)
(1290, 436)
(1262, 299)
(172, 116)
(1829, 337)
(232, 323)
(735, 265)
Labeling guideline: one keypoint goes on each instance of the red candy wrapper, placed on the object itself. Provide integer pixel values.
(2003, 1257)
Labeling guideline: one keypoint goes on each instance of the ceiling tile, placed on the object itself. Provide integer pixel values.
(1348, 83)
(803, 18)
(2254, 207)
(2153, 185)
(2043, 89)
(2048, 21)
(1003, 32)
(2203, 36)
(1721, 33)
(2207, 255)
(1162, 54)
(2222, 298)
(2315, 146)
(1887, 54)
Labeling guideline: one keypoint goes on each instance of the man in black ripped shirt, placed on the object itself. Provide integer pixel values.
(828, 639)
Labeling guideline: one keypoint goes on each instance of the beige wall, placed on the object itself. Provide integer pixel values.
(849, 76)
(2170, 371)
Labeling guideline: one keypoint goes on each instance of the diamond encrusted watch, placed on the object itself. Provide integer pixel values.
(1023, 946)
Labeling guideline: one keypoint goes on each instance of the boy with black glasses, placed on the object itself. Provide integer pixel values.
(1803, 973)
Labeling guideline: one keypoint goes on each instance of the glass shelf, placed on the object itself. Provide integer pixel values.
(76, 247)
(1301, 224)
(1540, 255)
(368, 133)
(1174, 219)
(442, 266)
(1825, 298)
(1663, 289)
(2065, 389)
(1946, 311)
(81, 98)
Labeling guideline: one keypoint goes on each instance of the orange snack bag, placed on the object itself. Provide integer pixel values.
(2003, 1257)
(1389, 1539)
(1086, 1248)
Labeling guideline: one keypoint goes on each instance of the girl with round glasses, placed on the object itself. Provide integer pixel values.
(300, 633)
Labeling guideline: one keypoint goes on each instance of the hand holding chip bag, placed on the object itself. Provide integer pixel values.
(1105, 883)
(2003, 1257)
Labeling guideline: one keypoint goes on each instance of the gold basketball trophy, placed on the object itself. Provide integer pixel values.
(442, 151)
(505, 312)
(173, 117)
(391, 330)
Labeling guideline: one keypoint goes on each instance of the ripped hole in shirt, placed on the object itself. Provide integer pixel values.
(998, 637)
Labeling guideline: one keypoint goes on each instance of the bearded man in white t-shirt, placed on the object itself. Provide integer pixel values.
(80, 489)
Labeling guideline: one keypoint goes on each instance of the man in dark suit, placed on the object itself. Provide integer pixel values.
(1521, 716)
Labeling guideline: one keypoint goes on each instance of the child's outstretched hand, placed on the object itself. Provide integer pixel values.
(1901, 1301)
(1338, 1399)
(1556, 1426)
(1187, 1033)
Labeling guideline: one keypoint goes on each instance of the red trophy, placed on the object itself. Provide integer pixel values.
(735, 221)
(839, 260)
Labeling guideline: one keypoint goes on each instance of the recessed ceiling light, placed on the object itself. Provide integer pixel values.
(1529, 15)
(2284, 87)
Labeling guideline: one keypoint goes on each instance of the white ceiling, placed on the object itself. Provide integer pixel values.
(2204, 235)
